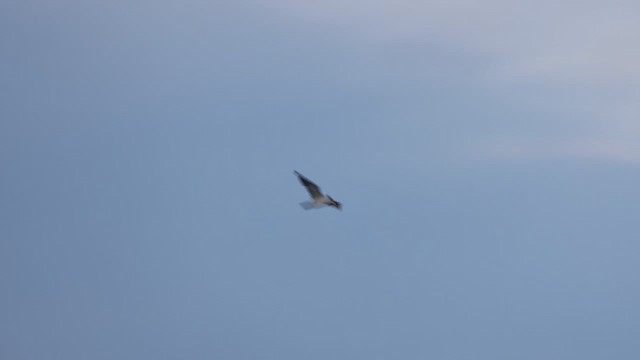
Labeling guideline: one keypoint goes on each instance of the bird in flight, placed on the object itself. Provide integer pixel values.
(319, 200)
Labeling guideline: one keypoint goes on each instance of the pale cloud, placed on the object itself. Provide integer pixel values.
(589, 49)
(541, 149)
(586, 39)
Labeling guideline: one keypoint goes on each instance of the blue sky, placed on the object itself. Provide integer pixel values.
(486, 155)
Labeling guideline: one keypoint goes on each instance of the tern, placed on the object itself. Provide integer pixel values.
(319, 199)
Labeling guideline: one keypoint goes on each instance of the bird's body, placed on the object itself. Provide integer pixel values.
(318, 199)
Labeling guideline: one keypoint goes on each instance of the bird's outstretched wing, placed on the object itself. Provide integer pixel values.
(312, 188)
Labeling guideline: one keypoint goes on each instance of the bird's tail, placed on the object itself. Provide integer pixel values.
(308, 205)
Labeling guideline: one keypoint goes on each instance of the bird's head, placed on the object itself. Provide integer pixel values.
(335, 203)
